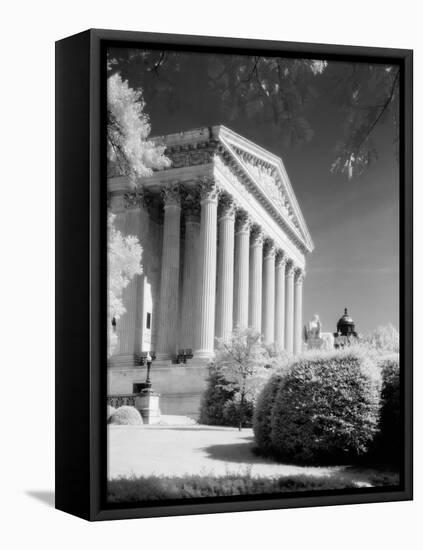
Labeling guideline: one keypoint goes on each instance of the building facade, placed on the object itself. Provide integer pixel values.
(224, 247)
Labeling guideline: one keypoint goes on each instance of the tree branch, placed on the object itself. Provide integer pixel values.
(382, 111)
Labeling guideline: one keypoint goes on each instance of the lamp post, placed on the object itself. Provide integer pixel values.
(149, 361)
(147, 401)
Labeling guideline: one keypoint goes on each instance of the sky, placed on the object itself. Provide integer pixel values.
(354, 224)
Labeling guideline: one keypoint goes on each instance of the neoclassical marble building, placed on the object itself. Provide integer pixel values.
(224, 246)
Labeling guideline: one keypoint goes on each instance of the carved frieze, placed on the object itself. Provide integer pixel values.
(191, 154)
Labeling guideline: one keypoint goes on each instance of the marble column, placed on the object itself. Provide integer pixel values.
(225, 269)
(289, 307)
(298, 311)
(190, 271)
(209, 193)
(268, 308)
(280, 299)
(169, 280)
(256, 283)
(241, 270)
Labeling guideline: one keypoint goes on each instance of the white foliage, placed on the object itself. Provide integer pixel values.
(123, 263)
(128, 128)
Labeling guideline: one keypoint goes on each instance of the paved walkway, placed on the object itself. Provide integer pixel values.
(196, 449)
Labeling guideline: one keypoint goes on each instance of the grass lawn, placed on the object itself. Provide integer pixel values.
(164, 462)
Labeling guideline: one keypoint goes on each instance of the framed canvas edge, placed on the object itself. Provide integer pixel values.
(97, 425)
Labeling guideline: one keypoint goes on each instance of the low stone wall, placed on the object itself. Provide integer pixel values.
(180, 387)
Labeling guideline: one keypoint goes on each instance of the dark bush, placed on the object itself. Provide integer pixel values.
(389, 442)
(219, 406)
(326, 409)
(263, 414)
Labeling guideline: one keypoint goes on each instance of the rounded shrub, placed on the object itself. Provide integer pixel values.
(263, 413)
(110, 410)
(126, 416)
(326, 408)
(389, 442)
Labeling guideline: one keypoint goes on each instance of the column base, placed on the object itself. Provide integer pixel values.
(163, 356)
(203, 354)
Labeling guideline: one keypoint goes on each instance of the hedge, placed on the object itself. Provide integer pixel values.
(326, 408)
(126, 416)
(389, 443)
(110, 411)
(263, 414)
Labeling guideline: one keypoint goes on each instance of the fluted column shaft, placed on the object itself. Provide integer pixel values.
(289, 307)
(225, 273)
(298, 311)
(207, 269)
(190, 273)
(268, 317)
(280, 300)
(241, 272)
(256, 283)
(169, 280)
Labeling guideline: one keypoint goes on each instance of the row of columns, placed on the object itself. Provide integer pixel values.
(257, 285)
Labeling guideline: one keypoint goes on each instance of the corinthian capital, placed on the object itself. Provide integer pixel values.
(299, 276)
(280, 258)
(134, 199)
(242, 221)
(171, 194)
(269, 248)
(290, 268)
(257, 236)
(226, 206)
(209, 190)
(191, 206)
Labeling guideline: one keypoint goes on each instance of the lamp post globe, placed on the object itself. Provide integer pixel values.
(149, 361)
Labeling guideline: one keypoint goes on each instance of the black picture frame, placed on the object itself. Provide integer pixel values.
(81, 272)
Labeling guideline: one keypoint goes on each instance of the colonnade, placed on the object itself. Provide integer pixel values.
(233, 276)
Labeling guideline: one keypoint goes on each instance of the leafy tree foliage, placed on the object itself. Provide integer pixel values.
(384, 339)
(129, 150)
(281, 93)
(241, 367)
(123, 263)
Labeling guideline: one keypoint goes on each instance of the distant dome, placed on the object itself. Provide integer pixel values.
(346, 325)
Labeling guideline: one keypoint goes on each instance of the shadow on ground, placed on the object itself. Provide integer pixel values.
(195, 428)
(46, 497)
(236, 452)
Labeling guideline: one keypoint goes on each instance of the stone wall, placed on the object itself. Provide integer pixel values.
(180, 387)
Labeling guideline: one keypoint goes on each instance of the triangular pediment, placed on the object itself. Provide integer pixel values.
(267, 172)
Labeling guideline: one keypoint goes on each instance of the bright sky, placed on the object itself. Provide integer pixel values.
(354, 225)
